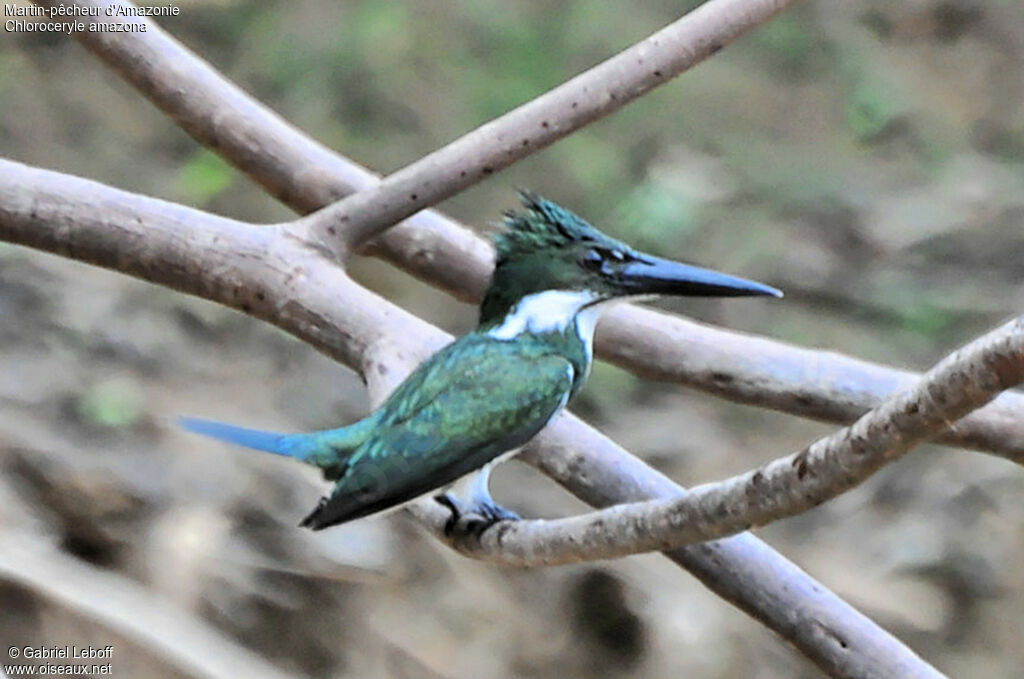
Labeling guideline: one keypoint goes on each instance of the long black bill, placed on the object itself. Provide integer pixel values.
(656, 276)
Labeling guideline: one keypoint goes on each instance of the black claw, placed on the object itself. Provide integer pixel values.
(474, 519)
(476, 527)
(446, 500)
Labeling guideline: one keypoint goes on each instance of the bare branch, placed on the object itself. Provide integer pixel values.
(283, 281)
(261, 271)
(291, 166)
(541, 122)
(967, 379)
(821, 385)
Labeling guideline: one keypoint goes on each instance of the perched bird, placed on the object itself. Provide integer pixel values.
(488, 393)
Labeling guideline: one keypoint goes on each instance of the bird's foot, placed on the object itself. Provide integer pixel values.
(473, 517)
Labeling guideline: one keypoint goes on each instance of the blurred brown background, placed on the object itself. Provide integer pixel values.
(866, 157)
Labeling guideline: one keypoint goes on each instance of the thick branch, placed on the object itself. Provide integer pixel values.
(967, 379)
(821, 385)
(818, 384)
(284, 282)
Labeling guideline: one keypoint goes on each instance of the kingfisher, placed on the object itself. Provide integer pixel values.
(485, 395)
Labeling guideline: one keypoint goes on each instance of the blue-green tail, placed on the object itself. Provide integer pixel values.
(325, 449)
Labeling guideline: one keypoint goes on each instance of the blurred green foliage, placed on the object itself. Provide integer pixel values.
(111, 404)
(789, 40)
(871, 110)
(204, 177)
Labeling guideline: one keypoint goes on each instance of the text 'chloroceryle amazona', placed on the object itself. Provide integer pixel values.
(488, 393)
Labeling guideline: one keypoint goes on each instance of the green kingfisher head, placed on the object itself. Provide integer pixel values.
(551, 265)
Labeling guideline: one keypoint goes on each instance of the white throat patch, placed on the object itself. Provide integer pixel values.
(553, 311)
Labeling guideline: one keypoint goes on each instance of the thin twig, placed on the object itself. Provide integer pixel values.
(277, 278)
(544, 120)
(822, 385)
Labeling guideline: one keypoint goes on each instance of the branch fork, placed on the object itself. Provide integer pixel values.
(275, 275)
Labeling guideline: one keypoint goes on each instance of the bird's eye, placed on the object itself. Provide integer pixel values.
(592, 260)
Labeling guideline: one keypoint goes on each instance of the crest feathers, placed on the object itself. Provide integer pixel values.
(543, 225)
